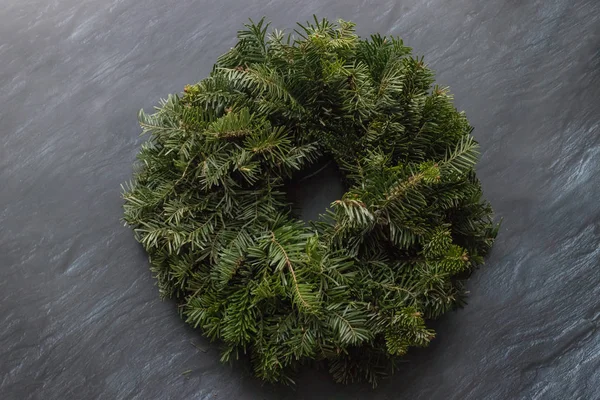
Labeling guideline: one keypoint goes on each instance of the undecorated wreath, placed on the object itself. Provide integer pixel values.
(354, 289)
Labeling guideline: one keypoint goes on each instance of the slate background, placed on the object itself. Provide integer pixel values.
(79, 313)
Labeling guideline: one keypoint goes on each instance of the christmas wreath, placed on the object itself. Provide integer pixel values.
(354, 289)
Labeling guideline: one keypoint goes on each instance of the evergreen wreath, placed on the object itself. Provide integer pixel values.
(355, 288)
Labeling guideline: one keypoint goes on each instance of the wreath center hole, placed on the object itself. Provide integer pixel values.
(312, 193)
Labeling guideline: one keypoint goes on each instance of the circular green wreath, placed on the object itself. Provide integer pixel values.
(354, 289)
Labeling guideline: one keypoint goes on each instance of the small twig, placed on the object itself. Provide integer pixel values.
(316, 172)
(198, 347)
(185, 170)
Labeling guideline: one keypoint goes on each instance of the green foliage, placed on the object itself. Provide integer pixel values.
(354, 290)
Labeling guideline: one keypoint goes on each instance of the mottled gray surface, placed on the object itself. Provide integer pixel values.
(80, 316)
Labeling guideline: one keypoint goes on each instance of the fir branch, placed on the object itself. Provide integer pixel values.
(306, 305)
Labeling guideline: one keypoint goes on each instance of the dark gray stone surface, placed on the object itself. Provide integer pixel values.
(79, 314)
